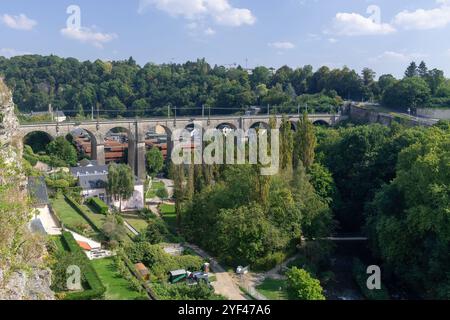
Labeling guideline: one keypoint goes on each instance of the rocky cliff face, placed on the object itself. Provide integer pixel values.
(8, 120)
(22, 275)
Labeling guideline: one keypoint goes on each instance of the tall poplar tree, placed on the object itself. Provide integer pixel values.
(178, 177)
(305, 143)
(120, 182)
(286, 145)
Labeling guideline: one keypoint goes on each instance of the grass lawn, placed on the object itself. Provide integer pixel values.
(117, 288)
(69, 216)
(169, 216)
(151, 193)
(139, 224)
(270, 288)
(97, 218)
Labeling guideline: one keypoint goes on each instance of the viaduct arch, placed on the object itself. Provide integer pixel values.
(138, 128)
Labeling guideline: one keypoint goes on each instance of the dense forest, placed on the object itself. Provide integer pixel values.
(388, 183)
(123, 88)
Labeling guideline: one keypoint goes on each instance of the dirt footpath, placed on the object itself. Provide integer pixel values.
(225, 284)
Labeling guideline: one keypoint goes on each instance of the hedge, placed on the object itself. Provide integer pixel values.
(96, 288)
(132, 268)
(81, 211)
(100, 206)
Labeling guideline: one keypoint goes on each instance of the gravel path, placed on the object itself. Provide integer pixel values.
(225, 285)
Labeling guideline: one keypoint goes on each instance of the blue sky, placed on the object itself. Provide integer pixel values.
(266, 32)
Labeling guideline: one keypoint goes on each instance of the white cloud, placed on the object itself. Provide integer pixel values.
(332, 40)
(282, 45)
(9, 52)
(399, 56)
(210, 32)
(20, 22)
(354, 24)
(422, 19)
(87, 35)
(221, 11)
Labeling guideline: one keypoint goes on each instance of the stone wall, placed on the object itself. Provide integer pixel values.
(443, 114)
(362, 114)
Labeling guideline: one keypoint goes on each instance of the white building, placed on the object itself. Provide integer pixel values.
(43, 221)
(93, 180)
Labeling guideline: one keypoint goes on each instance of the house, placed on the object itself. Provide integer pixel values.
(88, 168)
(87, 163)
(43, 220)
(93, 186)
(57, 116)
(93, 180)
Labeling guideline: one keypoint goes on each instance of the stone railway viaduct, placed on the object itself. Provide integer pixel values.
(138, 128)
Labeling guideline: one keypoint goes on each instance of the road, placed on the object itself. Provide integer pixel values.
(225, 284)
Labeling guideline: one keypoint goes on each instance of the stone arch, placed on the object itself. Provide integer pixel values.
(223, 126)
(321, 123)
(294, 125)
(259, 125)
(160, 133)
(27, 134)
(97, 151)
(117, 145)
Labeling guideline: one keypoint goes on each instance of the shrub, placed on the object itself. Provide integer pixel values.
(160, 262)
(156, 232)
(183, 291)
(114, 229)
(162, 193)
(302, 286)
(270, 261)
(100, 206)
(147, 214)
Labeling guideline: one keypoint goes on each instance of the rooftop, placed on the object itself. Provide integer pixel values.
(89, 170)
(38, 190)
(93, 182)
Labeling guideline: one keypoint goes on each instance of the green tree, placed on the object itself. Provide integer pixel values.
(408, 220)
(245, 235)
(385, 81)
(302, 286)
(411, 92)
(63, 150)
(323, 182)
(179, 178)
(120, 182)
(114, 228)
(155, 162)
(412, 70)
(286, 145)
(422, 70)
(305, 143)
